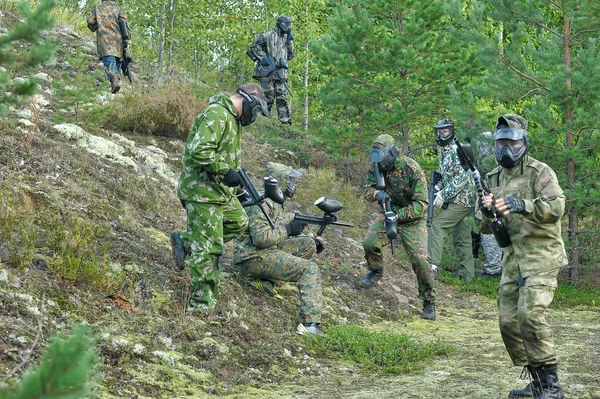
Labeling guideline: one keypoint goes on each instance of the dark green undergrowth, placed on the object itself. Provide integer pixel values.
(375, 351)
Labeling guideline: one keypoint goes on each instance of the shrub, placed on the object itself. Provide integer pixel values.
(168, 111)
(389, 353)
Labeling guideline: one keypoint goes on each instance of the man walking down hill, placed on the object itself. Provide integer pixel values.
(281, 254)
(271, 50)
(406, 190)
(526, 194)
(109, 22)
(207, 189)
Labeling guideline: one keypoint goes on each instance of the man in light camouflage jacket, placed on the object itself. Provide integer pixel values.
(107, 19)
(526, 194)
(456, 197)
(207, 189)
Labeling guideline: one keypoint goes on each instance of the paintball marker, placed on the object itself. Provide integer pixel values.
(255, 197)
(467, 160)
(269, 62)
(126, 58)
(436, 177)
(329, 207)
(391, 219)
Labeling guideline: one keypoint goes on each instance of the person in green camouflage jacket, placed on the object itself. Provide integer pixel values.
(281, 254)
(526, 194)
(207, 188)
(276, 44)
(456, 197)
(406, 187)
(105, 19)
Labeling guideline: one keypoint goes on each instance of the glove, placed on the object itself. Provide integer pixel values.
(290, 36)
(438, 200)
(438, 187)
(295, 227)
(382, 197)
(232, 178)
(320, 245)
(487, 212)
(243, 197)
(514, 204)
(265, 61)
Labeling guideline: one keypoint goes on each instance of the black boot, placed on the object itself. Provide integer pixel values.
(551, 389)
(526, 392)
(428, 310)
(179, 252)
(371, 278)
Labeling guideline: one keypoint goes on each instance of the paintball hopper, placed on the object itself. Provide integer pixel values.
(272, 191)
(327, 205)
(283, 63)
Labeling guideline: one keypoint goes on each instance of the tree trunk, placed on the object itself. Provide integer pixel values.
(305, 122)
(173, 8)
(196, 63)
(570, 141)
(161, 46)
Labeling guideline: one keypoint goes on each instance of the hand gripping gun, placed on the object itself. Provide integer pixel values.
(390, 218)
(250, 196)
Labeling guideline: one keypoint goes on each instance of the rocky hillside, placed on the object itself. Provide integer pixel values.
(85, 216)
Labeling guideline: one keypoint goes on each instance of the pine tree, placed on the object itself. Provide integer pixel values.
(64, 371)
(28, 32)
(393, 63)
(541, 58)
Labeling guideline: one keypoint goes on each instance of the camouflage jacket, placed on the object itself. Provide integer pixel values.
(272, 43)
(212, 148)
(407, 187)
(260, 236)
(104, 20)
(458, 186)
(537, 245)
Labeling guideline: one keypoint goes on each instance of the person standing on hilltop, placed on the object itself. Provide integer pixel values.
(109, 22)
(207, 189)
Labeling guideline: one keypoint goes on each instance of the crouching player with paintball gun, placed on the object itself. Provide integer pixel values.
(399, 185)
(268, 254)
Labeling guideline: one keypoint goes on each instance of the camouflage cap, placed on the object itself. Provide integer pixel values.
(281, 172)
(385, 140)
(512, 120)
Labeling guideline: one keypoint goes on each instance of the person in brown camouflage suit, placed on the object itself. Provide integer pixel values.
(104, 19)
(281, 254)
(276, 44)
(406, 187)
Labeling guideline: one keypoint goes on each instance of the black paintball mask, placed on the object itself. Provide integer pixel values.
(252, 106)
(385, 156)
(284, 23)
(444, 132)
(510, 145)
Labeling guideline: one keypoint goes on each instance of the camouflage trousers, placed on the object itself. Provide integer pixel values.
(527, 335)
(413, 237)
(275, 92)
(289, 262)
(452, 219)
(493, 254)
(209, 226)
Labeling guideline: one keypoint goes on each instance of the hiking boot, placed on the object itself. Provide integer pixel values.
(461, 277)
(551, 389)
(309, 328)
(265, 286)
(179, 252)
(487, 275)
(428, 310)
(114, 85)
(434, 270)
(371, 278)
(527, 391)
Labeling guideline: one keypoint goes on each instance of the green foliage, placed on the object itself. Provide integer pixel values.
(568, 296)
(374, 351)
(78, 87)
(66, 369)
(24, 35)
(168, 111)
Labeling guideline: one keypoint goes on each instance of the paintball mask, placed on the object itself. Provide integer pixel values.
(444, 132)
(252, 106)
(510, 140)
(284, 23)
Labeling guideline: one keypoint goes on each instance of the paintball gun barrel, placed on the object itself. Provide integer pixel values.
(390, 218)
(256, 198)
(466, 158)
(329, 207)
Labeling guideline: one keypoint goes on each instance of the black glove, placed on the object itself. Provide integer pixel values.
(320, 245)
(487, 212)
(382, 197)
(295, 227)
(232, 178)
(290, 36)
(265, 61)
(514, 204)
